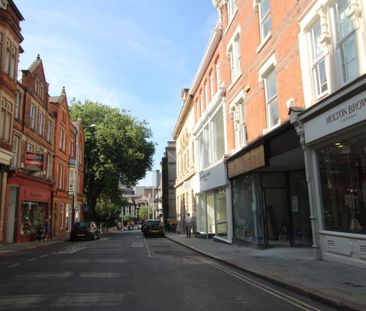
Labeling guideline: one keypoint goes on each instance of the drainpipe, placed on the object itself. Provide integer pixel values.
(299, 127)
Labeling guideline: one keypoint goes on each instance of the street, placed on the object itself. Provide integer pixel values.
(125, 271)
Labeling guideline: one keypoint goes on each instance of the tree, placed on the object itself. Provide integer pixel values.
(118, 150)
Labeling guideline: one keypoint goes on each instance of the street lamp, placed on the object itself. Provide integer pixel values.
(76, 175)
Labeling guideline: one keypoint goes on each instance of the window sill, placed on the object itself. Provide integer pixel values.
(264, 42)
(234, 82)
(268, 130)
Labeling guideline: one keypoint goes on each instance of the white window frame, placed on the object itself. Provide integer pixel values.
(237, 107)
(6, 120)
(326, 12)
(72, 179)
(18, 100)
(15, 149)
(218, 74)
(40, 122)
(264, 18)
(207, 144)
(318, 56)
(211, 78)
(265, 72)
(343, 39)
(232, 8)
(49, 166)
(206, 93)
(49, 131)
(32, 116)
(233, 51)
(60, 176)
(62, 142)
(202, 106)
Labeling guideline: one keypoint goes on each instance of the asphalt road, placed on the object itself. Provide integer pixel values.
(125, 271)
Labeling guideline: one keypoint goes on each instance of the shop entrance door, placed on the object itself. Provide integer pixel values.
(276, 216)
(12, 210)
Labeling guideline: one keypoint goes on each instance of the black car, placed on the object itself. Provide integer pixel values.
(84, 230)
(153, 227)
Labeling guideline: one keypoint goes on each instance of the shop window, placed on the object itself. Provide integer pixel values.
(342, 170)
(33, 215)
(247, 213)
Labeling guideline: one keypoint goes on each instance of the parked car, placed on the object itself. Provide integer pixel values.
(154, 227)
(84, 230)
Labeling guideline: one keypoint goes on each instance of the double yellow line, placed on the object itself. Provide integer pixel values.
(299, 304)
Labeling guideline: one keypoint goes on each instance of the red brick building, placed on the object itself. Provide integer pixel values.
(10, 39)
(31, 178)
(262, 78)
(68, 170)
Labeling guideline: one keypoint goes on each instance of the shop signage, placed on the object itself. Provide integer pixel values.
(33, 162)
(346, 114)
(212, 178)
(35, 195)
(249, 161)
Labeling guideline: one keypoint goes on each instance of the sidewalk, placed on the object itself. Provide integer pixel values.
(293, 268)
(16, 247)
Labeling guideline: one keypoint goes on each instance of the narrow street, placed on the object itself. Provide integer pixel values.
(126, 271)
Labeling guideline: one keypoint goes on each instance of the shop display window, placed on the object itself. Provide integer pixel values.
(33, 215)
(246, 210)
(342, 171)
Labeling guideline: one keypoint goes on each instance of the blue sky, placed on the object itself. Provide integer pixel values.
(131, 54)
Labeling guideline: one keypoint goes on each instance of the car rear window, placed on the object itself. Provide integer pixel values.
(155, 223)
(81, 225)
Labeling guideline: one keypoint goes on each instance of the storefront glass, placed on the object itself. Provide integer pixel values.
(212, 213)
(201, 225)
(220, 213)
(248, 225)
(33, 214)
(342, 170)
(300, 209)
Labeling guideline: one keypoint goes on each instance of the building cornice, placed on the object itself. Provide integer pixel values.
(210, 50)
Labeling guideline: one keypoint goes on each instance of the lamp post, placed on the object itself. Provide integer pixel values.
(76, 175)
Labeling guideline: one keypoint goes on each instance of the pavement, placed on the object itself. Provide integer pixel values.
(338, 285)
(295, 268)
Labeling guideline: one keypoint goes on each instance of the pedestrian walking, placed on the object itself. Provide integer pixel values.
(188, 224)
(44, 230)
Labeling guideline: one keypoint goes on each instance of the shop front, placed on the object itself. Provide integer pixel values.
(269, 193)
(5, 159)
(29, 208)
(334, 135)
(214, 204)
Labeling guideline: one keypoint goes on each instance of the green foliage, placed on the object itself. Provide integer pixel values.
(118, 150)
(106, 212)
(146, 212)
